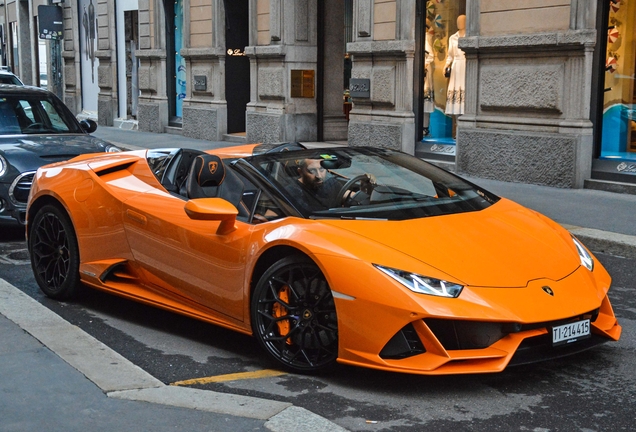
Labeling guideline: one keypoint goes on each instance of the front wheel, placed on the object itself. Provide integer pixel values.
(54, 253)
(294, 315)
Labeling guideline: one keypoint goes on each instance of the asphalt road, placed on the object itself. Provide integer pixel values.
(594, 391)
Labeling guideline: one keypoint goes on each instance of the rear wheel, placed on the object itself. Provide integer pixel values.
(54, 253)
(294, 315)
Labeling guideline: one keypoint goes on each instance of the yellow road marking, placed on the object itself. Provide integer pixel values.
(265, 373)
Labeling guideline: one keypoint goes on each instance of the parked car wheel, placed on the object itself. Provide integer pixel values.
(294, 315)
(54, 253)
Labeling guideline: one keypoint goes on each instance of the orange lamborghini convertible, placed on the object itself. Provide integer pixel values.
(367, 257)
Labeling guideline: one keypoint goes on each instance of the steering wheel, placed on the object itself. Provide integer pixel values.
(349, 185)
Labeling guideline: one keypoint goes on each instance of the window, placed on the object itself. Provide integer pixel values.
(619, 104)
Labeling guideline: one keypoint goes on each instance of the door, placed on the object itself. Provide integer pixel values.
(237, 65)
(127, 43)
(184, 256)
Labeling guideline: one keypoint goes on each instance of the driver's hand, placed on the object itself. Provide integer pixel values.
(368, 184)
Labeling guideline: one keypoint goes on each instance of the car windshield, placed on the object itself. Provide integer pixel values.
(9, 79)
(364, 183)
(158, 160)
(35, 114)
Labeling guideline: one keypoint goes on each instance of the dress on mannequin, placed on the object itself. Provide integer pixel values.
(457, 61)
(429, 90)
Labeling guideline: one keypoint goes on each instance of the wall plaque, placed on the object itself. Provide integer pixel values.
(360, 87)
(302, 83)
(200, 83)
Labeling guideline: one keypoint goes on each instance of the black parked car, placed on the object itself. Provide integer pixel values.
(36, 129)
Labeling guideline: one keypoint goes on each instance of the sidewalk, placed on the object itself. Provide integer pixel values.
(55, 377)
(136, 140)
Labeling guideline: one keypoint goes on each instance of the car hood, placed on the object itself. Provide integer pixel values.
(505, 245)
(29, 152)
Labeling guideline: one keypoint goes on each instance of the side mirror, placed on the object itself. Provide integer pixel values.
(89, 125)
(213, 209)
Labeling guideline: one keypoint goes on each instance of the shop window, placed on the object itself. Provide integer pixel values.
(619, 102)
(444, 80)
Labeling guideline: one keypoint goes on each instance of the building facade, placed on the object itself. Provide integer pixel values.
(528, 91)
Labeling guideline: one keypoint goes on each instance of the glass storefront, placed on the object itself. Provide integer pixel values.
(444, 77)
(618, 140)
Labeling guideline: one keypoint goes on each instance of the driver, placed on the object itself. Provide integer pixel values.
(317, 188)
(315, 183)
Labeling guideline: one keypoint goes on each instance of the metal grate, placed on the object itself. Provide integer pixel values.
(20, 188)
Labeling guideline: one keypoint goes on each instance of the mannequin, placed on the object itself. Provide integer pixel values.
(429, 89)
(456, 60)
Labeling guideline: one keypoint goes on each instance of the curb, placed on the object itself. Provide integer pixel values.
(606, 242)
(119, 378)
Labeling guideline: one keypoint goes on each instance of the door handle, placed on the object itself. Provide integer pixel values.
(137, 217)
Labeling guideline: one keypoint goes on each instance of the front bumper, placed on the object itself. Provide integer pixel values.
(9, 212)
(425, 350)
(385, 327)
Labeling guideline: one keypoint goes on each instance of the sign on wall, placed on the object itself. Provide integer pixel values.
(302, 83)
(50, 22)
(360, 87)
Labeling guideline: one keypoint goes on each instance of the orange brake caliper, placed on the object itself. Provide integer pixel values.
(279, 310)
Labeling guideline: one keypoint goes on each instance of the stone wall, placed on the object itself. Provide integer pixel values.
(524, 16)
(285, 40)
(274, 128)
(152, 109)
(543, 159)
(385, 118)
(150, 115)
(265, 128)
(528, 98)
(200, 123)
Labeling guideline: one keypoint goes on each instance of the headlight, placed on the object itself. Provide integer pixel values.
(112, 149)
(422, 284)
(3, 165)
(586, 258)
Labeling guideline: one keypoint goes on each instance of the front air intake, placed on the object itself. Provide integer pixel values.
(464, 335)
(405, 343)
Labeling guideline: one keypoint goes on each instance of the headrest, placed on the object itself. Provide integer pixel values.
(210, 170)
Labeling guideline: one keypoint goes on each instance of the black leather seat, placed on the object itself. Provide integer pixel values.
(209, 178)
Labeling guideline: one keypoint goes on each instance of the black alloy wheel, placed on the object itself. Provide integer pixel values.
(294, 315)
(54, 253)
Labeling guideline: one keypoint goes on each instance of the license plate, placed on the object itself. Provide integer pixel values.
(572, 332)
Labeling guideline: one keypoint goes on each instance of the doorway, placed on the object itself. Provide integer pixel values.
(175, 64)
(237, 65)
(335, 21)
(14, 64)
(127, 67)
